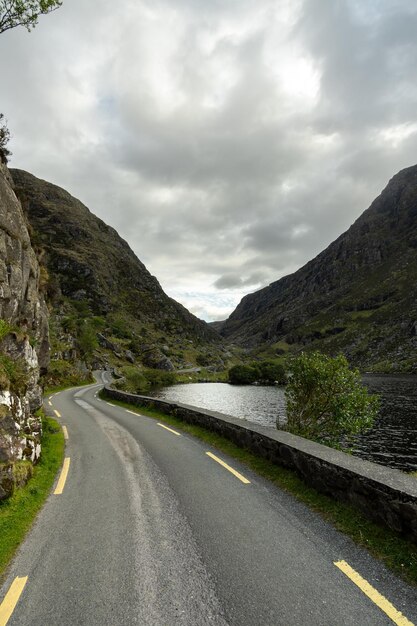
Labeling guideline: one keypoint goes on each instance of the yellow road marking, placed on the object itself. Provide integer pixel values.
(64, 473)
(11, 599)
(132, 412)
(170, 429)
(225, 465)
(57, 413)
(64, 430)
(374, 595)
(50, 403)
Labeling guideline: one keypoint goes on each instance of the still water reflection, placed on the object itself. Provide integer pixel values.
(392, 441)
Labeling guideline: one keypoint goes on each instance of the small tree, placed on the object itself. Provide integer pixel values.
(4, 139)
(24, 12)
(326, 400)
(243, 375)
(272, 372)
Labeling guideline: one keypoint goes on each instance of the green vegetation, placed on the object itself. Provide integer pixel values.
(392, 549)
(18, 512)
(87, 338)
(13, 374)
(265, 372)
(24, 12)
(203, 376)
(326, 400)
(5, 327)
(137, 380)
(65, 374)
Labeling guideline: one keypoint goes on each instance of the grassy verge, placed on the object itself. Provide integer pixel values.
(18, 512)
(397, 553)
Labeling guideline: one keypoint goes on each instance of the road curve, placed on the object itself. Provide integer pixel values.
(149, 529)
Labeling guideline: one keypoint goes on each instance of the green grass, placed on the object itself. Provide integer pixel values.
(18, 512)
(68, 385)
(395, 551)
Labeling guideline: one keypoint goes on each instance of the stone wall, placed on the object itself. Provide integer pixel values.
(384, 495)
(24, 342)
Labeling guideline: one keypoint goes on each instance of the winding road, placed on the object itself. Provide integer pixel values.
(147, 528)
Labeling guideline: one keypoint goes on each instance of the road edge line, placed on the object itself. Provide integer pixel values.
(170, 429)
(230, 469)
(11, 599)
(63, 477)
(377, 598)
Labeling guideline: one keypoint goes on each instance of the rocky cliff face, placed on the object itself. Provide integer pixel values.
(358, 296)
(24, 345)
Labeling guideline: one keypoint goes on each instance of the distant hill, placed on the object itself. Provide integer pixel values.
(94, 275)
(359, 296)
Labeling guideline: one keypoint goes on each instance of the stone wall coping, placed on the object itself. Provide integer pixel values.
(387, 477)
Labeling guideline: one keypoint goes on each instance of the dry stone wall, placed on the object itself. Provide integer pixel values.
(385, 495)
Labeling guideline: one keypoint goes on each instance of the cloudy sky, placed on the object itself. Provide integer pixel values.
(229, 141)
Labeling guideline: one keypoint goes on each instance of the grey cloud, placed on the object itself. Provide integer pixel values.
(233, 280)
(221, 176)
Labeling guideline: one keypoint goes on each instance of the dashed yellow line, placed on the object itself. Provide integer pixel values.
(170, 429)
(65, 431)
(131, 412)
(57, 413)
(374, 595)
(230, 469)
(64, 473)
(11, 599)
(50, 403)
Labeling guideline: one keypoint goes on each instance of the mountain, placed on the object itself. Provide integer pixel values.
(357, 297)
(98, 288)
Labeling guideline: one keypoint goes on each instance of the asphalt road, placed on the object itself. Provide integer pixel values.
(151, 530)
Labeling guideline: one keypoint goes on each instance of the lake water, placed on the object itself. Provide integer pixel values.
(392, 441)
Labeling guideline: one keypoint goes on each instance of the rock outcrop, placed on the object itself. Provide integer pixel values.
(359, 296)
(24, 343)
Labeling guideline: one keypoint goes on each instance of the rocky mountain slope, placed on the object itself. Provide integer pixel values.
(358, 296)
(24, 345)
(98, 288)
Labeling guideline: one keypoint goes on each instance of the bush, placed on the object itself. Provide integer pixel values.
(326, 400)
(243, 374)
(87, 338)
(140, 381)
(159, 378)
(272, 372)
(267, 372)
(134, 381)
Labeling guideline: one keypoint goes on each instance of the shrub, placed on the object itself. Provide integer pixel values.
(243, 374)
(133, 380)
(326, 400)
(141, 380)
(87, 338)
(159, 378)
(272, 372)
(268, 372)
